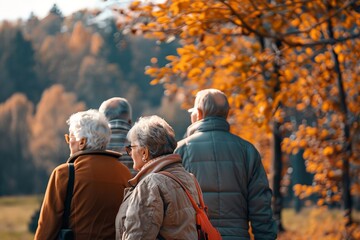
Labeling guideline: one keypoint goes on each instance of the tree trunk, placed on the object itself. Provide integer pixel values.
(346, 181)
(277, 202)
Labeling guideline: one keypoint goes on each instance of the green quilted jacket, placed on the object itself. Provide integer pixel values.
(232, 178)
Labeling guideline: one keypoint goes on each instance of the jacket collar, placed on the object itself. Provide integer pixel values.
(119, 124)
(208, 124)
(110, 153)
(154, 166)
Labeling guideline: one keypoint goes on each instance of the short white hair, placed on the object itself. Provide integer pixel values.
(212, 102)
(93, 126)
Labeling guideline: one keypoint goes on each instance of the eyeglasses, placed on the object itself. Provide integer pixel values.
(67, 138)
(128, 149)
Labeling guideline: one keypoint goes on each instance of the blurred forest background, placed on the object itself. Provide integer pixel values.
(291, 71)
(55, 66)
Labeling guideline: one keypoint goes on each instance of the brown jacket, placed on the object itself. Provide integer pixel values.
(157, 205)
(100, 180)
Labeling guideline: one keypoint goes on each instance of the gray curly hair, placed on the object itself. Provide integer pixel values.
(154, 133)
(93, 126)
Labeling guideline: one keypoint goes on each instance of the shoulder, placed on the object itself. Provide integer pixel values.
(197, 136)
(58, 178)
(61, 171)
(153, 180)
(181, 143)
(123, 168)
(155, 183)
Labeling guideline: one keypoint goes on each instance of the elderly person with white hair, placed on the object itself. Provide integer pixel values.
(155, 206)
(98, 186)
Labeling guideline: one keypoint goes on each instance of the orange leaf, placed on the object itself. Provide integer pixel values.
(328, 151)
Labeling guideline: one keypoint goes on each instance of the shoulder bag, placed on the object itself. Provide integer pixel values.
(66, 233)
(205, 230)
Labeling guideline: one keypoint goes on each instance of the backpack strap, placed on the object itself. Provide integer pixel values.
(69, 193)
(176, 179)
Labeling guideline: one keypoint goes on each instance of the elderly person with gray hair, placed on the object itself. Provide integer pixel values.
(154, 206)
(118, 112)
(98, 186)
(229, 170)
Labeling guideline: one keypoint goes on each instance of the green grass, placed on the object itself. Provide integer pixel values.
(15, 215)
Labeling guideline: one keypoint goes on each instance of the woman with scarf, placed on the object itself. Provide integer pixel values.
(155, 206)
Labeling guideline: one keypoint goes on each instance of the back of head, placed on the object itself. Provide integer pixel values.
(93, 126)
(116, 108)
(154, 133)
(212, 102)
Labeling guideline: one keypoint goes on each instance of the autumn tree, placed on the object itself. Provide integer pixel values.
(16, 170)
(48, 146)
(269, 57)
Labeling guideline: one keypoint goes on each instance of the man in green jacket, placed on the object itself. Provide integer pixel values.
(229, 170)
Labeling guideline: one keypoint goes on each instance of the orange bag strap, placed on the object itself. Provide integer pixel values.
(201, 200)
(172, 176)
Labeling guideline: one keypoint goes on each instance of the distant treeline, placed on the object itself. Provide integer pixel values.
(55, 66)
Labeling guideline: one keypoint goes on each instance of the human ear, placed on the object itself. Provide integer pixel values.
(82, 144)
(199, 115)
(146, 154)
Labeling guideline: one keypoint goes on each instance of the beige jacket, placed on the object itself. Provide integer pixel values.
(157, 205)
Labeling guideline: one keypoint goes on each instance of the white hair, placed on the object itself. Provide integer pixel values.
(93, 126)
(212, 102)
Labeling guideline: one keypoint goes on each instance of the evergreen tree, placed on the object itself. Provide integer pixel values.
(20, 64)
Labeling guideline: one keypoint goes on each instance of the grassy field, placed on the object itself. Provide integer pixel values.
(15, 214)
(311, 223)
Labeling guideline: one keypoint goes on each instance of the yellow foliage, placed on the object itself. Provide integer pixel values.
(302, 143)
(309, 51)
(315, 34)
(135, 4)
(159, 35)
(320, 202)
(222, 48)
(311, 167)
(311, 131)
(174, 8)
(194, 72)
(295, 22)
(319, 58)
(163, 20)
(151, 71)
(226, 60)
(297, 189)
(325, 106)
(338, 48)
(328, 151)
(300, 106)
(198, 5)
(336, 198)
(154, 81)
(308, 191)
(207, 72)
(307, 153)
(289, 74)
(324, 133)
